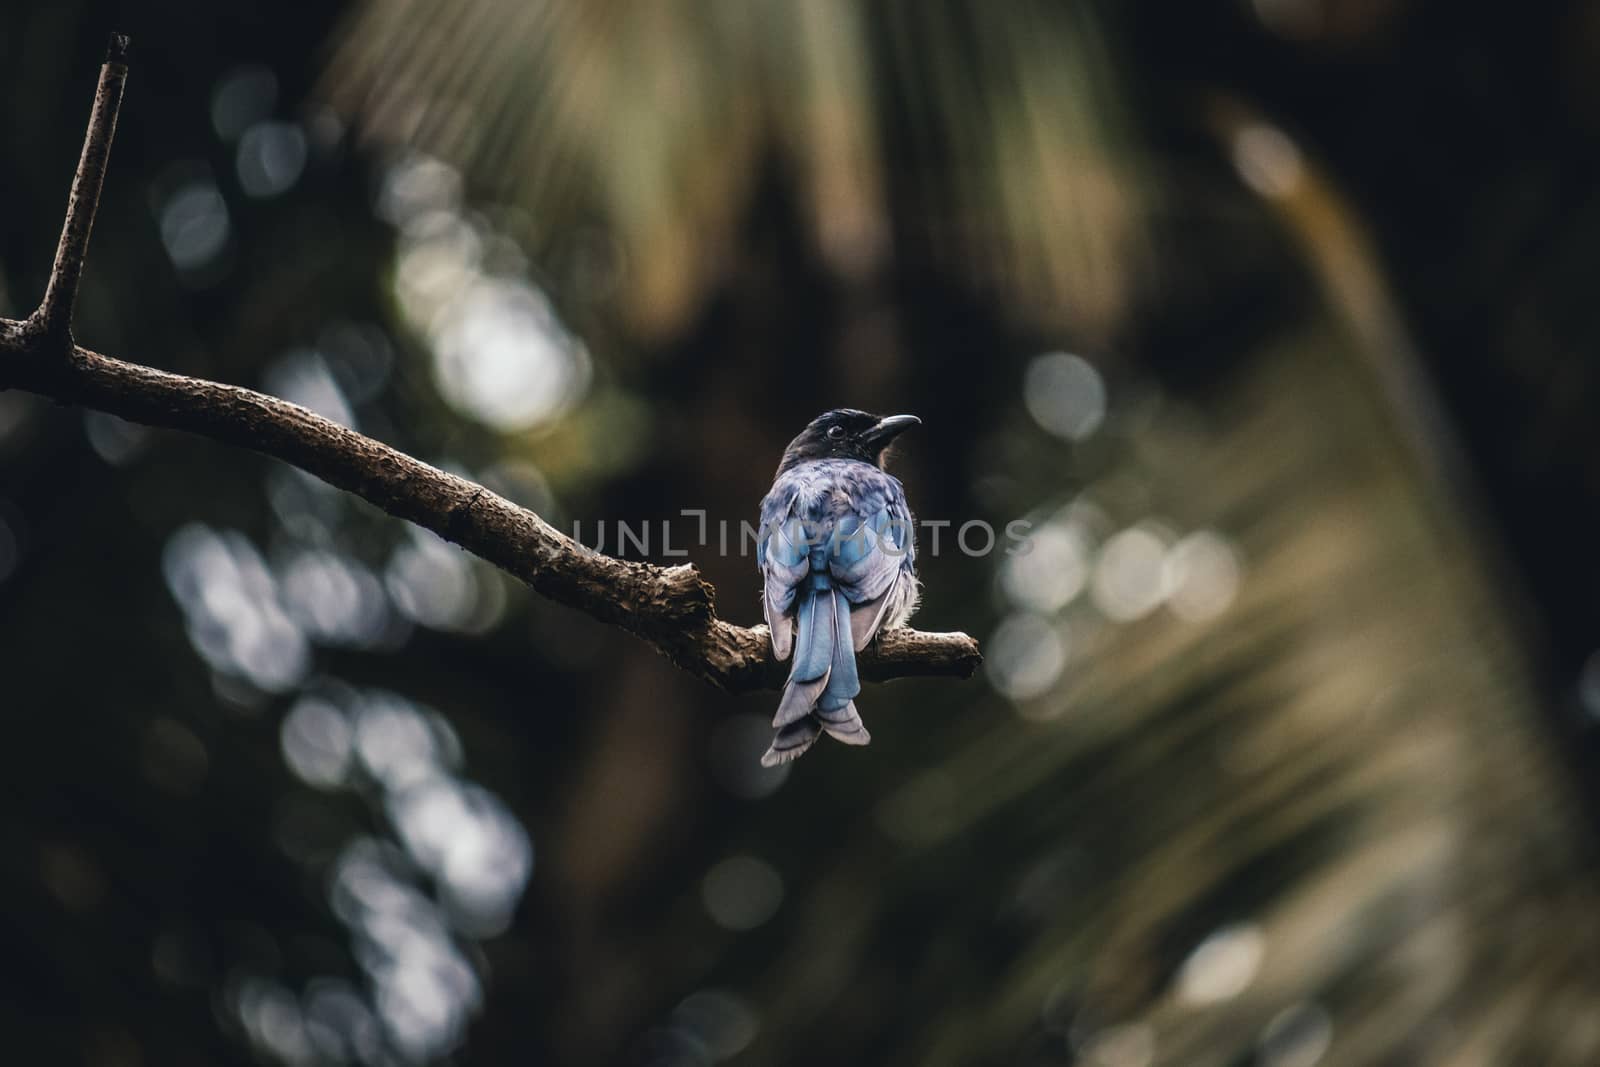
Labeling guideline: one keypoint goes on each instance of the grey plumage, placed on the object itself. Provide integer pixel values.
(837, 554)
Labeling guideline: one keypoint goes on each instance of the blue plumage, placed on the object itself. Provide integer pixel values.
(837, 557)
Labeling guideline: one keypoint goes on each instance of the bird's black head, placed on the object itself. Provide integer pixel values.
(847, 434)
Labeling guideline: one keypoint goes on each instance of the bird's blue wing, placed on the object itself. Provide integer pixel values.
(873, 552)
(784, 559)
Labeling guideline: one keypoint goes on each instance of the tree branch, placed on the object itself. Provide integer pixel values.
(672, 608)
(53, 319)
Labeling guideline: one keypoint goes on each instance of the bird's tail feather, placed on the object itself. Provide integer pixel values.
(813, 658)
(844, 724)
(791, 742)
(836, 707)
(823, 683)
(798, 700)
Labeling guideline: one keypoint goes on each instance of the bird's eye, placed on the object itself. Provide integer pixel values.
(836, 433)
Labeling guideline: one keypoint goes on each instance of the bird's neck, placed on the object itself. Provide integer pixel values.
(791, 461)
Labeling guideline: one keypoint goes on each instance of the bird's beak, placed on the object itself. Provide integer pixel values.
(889, 428)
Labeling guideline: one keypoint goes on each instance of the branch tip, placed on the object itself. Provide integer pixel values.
(54, 316)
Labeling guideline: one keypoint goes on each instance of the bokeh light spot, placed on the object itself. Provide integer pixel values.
(742, 892)
(475, 849)
(1065, 395)
(725, 1024)
(417, 185)
(501, 357)
(1052, 572)
(236, 621)
(71, 875)
(431, 581)
(424, 988)
(1126, 1045)
(1588, 676)
(1222, 966)
(271, 158)
(340, 1025)
(114, 440)
(1267, 160)
(1298, 1036)
(194, 225)
(1200, 576)
(1128, 577)
(334, 598)
(1299, 20)
(301, 376)
(1026, 655)
(396, 742)
(317, 741)
(244, 95)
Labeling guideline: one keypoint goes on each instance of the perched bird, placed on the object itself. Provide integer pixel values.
(836, 550)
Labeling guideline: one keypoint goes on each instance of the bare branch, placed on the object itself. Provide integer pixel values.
(54, 316)
(672, 608)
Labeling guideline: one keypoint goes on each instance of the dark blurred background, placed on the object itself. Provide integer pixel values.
(1274, 318)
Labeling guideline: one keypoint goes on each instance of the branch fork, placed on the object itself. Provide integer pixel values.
(50, 325)
(672, 608)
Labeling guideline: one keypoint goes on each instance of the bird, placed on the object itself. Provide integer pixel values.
(837, 552)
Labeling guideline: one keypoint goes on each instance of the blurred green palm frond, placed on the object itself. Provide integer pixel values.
(987, 137)
(1322, 827)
